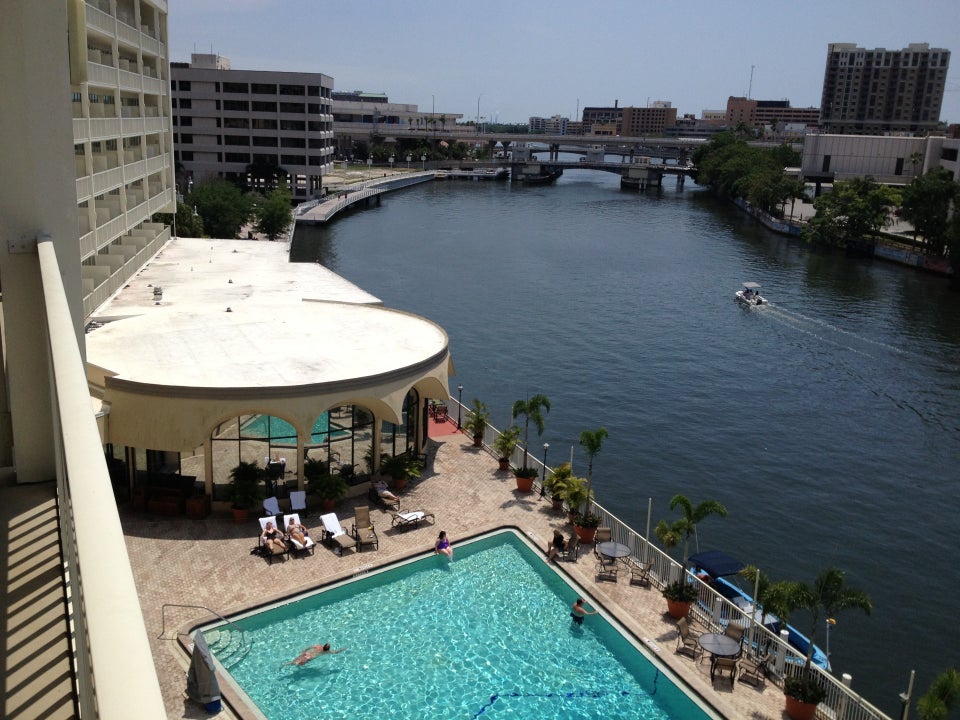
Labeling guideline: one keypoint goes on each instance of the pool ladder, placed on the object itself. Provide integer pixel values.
(229, 643)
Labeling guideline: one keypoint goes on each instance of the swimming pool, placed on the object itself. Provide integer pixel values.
(280, 432)
(488, 634)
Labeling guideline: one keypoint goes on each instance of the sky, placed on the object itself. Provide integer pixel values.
(508, 60)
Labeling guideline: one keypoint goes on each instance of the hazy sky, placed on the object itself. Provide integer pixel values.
(532, 57)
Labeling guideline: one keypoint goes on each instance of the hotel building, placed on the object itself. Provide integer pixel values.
(883, 92)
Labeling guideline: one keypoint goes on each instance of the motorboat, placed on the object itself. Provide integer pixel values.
(715, 566)
(749, 294)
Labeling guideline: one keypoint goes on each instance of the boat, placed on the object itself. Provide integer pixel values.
(715, 566)
(749, 294)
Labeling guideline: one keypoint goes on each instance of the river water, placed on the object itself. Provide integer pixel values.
(828, 423)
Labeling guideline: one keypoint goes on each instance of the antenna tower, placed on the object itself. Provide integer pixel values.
(750, 87)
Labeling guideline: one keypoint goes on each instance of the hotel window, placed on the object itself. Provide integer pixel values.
(263, 89)
(291, 90)
(260, 106)
(230, 87)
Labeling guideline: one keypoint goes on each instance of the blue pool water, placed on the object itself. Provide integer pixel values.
(281, 432)
(487, 635)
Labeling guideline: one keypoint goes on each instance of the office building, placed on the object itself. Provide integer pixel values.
(761, 113)
(652, 120)
(883, 92)
(249, 125)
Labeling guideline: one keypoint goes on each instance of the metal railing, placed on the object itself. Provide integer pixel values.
(114, 663)
(714, 611)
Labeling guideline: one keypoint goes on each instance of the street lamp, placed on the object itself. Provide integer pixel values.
(408, 160)
(370, 161)
(543, 479)
(423, 161)
(391, 162)
(459, 403)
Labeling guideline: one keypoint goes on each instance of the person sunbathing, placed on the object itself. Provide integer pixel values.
(273, 539)
(308, 654)
(384, 492)
(297, 531)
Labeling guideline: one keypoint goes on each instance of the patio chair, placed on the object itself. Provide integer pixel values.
(640, 574)
(271, 506)
(603, 534)
(572, 549)
(308, 545)
(298, 501)
(736, 632)
(723, 665)
(265, 551)
(606, 571)
(363, 531)
(754, 671)
(687, 639)
(403, 521)
(334, 535)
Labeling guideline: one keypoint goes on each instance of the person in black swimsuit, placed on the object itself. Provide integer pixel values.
(578, 611)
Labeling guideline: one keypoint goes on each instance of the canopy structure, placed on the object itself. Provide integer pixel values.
(716, 563)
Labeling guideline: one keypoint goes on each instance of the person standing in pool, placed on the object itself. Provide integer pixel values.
(578, 611)
(443, 545)
(313, 651)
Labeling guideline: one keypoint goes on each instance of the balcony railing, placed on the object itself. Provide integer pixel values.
(113, 661)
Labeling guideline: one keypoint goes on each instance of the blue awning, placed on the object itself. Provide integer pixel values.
(716, 563)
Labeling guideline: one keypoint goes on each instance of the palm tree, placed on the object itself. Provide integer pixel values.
(827, 596)
(943, 694)
(530, 409)
(685, 527)
(592, 441)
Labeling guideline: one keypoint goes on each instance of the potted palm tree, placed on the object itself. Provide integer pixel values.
(592, 441)
(680, 594)
(401, 468)
(531, 409)
(327, 486)
(826, 597)
(244, 490)
(505, 444)
(556, 484)
(578, 497)
(476, 423)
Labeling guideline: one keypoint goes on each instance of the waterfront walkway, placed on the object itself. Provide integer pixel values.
(208, 563)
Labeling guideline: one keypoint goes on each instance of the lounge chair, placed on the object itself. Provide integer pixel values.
(271, 506)
(265, 551)
(640, 574)
(687, 639)
(298, 501)
(307, 546)
(723, 665)
(385, 503)
(410, 519)
(334, 535)
(363, 531)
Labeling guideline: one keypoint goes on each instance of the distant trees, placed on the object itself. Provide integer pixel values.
(927, 204)
(273, 213)
(221, 205)
(854, 209)
(732, 168)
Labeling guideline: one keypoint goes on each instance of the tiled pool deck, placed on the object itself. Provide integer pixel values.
(208, 563)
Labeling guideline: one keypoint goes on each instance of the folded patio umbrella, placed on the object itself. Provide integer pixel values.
(202, 685)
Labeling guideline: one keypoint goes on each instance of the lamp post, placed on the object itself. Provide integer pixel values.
(408, 160)
(543, 479)
(459, 404)
(423, 161)
(391, 162)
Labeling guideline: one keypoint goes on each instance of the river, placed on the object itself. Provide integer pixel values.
(827, 423)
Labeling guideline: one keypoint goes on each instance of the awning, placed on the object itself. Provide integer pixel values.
(716, 563)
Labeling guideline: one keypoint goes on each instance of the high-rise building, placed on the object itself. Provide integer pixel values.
(248, 125)
(883, 92)
(757, 113)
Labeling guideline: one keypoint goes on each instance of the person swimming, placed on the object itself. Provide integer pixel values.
(308, 654)
(443, 545)
(578, 611)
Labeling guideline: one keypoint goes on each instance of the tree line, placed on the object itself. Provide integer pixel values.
(854, 210)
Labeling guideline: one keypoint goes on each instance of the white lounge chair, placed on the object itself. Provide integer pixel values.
(334, 535)
(298, 501)
(267, 552)
(306, 546)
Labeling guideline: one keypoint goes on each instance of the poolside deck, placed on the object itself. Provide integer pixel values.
(177, 560)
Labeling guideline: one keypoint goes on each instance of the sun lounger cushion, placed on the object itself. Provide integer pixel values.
(335, 535)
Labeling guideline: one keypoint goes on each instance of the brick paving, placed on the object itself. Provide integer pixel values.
(207, 563)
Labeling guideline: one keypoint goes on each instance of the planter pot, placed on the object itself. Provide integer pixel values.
(678, 608)
(557, 504)
(240, 515)
(328, 504)
(524, 484)
(504, 464)
(477, 440)
(800, 710)
(586, 535)
(399, 483)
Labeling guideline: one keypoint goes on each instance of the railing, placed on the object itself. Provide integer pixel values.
(714, 611)
(113, 660)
